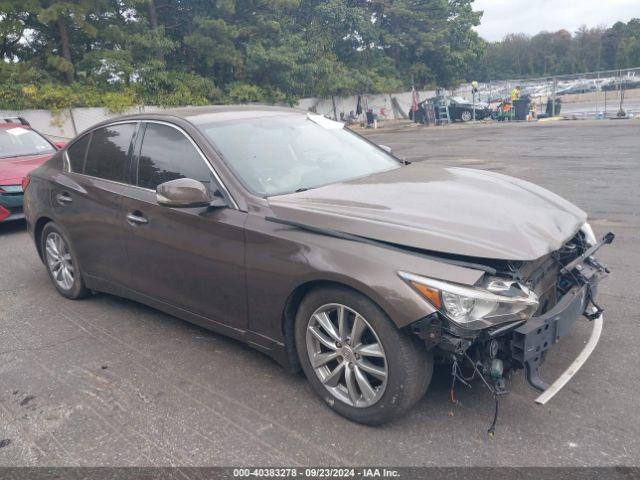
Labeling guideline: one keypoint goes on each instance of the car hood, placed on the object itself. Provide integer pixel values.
(479, 105)
(13, 169)
(454, 210)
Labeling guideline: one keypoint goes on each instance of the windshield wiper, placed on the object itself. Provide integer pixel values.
(301, 189)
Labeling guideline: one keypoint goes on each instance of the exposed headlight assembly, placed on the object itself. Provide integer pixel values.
(496, 301)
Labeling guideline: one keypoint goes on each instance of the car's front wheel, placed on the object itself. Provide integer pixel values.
(62, 264)
(466, 115)
(362, 365)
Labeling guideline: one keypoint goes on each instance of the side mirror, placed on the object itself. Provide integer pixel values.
(185, 193)
(386, 148)
(60, 145)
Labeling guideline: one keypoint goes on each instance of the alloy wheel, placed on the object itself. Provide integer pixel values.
(347, 355)
(59, 261)
(466, 116)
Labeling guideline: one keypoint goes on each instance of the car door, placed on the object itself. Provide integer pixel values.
(191, 258)
(86, 199)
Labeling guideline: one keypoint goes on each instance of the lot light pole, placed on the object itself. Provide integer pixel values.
(474, 91)
(553, 96)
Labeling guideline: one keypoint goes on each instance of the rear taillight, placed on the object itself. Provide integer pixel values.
(25, 183)
(4, 213)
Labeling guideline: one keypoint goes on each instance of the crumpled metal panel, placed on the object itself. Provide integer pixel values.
(454, 210)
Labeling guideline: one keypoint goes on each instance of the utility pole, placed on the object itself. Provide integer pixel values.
(333, 102)
(553, 96)
(474, 91)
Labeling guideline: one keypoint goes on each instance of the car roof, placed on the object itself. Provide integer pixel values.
(216, 113)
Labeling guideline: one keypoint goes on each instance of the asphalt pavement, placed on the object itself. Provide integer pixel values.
(106, 381)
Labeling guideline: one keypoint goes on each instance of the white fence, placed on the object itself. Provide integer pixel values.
(68, 123)
(381, 104)
(596, 94)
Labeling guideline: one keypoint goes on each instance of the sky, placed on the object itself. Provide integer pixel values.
(531, 16)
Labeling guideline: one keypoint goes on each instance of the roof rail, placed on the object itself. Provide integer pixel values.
(20, 120)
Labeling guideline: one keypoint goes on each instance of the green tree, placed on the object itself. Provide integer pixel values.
(197, 51)
(433, 39)
(556, 53)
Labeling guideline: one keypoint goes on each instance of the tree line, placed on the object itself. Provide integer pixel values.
(117, 53)
(176, 52)
(557, 53)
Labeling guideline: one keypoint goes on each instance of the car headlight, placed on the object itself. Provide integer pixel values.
(498, 300)
(589, 236)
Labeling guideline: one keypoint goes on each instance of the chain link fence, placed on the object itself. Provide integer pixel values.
(602, 94)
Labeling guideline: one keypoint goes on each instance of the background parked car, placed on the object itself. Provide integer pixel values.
(617, 84)
(21, 150)
(461, 109)
(580, 88)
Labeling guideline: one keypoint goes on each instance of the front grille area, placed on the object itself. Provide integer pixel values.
(16, 210)
(543, 275)
(11, 190)
(11, 198)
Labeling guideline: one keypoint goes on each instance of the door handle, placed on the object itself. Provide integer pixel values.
(136, 218)
(64, 198)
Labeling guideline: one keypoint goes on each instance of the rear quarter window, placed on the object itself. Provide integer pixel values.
(109, 152)
(77, 153)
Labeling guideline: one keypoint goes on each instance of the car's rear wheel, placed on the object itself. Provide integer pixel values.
(362, 365)
(62, 264)
(466, 116)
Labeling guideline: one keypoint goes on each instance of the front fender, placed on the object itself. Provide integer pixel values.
(281, 258)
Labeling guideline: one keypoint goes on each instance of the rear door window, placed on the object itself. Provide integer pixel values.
(77, 153)
(109, 152)
(167, 154)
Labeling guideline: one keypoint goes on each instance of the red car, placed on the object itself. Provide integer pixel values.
(21, 150)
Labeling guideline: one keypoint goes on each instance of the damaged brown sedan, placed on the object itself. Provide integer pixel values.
(297, 236)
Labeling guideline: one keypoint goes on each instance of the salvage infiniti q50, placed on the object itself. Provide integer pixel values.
(289, 232)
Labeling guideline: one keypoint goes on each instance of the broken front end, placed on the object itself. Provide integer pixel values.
(515, 315)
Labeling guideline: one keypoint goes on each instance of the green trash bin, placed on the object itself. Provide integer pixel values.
(521, 107)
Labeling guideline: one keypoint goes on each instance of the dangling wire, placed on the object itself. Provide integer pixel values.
(492, 429)
(452, 392)
(456, 374)
(590, 298)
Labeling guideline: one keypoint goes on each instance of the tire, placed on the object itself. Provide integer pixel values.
(61, 258)
(406, 364)
(466, 116)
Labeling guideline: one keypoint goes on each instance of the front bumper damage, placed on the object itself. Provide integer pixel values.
(494, 354)
(530, 342)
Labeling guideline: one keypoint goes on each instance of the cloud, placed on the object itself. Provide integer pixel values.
(532, 16)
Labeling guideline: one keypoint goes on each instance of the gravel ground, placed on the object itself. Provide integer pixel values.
(106, 381)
